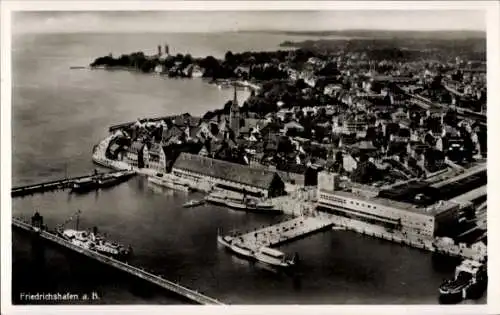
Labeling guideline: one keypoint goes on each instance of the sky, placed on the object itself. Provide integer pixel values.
(215, 21)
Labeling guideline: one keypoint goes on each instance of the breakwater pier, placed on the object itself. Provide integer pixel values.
(283, 232)
(64, 183)
(190, 294)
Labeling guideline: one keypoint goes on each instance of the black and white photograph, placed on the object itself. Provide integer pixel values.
(224, 156)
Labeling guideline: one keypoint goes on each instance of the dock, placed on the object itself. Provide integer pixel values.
(283, 232)
(190, 294)
(59, 184)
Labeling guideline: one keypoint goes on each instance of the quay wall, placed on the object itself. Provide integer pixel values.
(416, 241)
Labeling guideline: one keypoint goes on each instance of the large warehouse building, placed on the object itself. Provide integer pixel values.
(427, 221)
(230, 176)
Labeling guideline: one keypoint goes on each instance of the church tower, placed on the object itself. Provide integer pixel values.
(234, 115)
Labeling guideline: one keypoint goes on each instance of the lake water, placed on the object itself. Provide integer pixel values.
(58, 115)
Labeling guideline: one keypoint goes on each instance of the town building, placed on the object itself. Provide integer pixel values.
(156, 158)
(394, 215)
(137, 154)
(229, 176)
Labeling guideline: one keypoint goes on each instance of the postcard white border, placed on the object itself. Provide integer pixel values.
(492, 11)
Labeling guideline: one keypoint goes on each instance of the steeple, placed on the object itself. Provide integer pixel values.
(235, 97)
(234, 115)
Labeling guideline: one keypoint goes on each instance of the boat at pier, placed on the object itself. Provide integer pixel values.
(236, 204)
(273, 257)
(261, 207)
(241, 204)
(109, 180)
(193, 203)
(470, 281)
(84, 185)
(236, 245)
(216, 199)
(168, 182)
(93, 241)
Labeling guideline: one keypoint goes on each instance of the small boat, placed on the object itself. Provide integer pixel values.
(273, 257)
(193, 203)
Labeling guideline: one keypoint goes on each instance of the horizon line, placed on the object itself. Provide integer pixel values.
(252, 30)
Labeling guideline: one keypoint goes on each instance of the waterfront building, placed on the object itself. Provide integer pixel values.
(229, 176)
(137, 154)
(394, 215)
(157, 158)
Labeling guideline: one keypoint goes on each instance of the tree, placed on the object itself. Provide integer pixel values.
(187, 60)
(229, 57)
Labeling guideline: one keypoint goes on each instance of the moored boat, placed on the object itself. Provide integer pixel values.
(235, 204)
(92, 241)
(109, 180)
(214, 199)
(236, 245)
(84, 185)
(193, 203)
(273, 257)
(241, 249)
(169, 183)
(262, 207)
(470, 281)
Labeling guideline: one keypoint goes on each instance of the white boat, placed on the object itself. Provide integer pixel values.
(225, 240)
(237, 205)
(169, 183)
(193, 203)
(215, 199)
(236, 246)
(273, 257)
(91, 241)
(241, 249)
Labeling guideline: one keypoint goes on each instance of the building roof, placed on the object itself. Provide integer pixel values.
(433, 210)
(260, 178)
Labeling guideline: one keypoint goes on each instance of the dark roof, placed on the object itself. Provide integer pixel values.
(260, 178)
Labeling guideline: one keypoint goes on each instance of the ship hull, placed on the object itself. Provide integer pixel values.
(267, 210)
(242, 252)
(84, 187)
(236, 206)
(215, 201)
(450, 298)
(272, 262)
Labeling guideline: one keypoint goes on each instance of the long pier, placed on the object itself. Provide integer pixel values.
(190, 294)
(48, 186)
